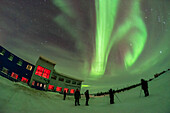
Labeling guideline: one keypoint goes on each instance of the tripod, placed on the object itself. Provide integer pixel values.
(117, 98)
(140, 93)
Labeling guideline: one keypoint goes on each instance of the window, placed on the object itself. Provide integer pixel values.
(25, 80)
(33, 83)
(53, 77)
(74, 82)
(19, 62)
(46, 73)
(29, 67)
(41, 71)
(44, 86)
(11, 57)
(72, 91)
(5, 70)
(50, 87)
(61, 79)
(2, 52)
(59, 89)
(66, 89)
(79, 83)
(14, 75)
(38, 84)
(68, 81)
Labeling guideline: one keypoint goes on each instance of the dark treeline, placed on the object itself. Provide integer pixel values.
(130, 87)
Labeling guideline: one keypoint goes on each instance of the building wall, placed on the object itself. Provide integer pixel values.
(58, 83)
(47, 65)
(15, 65)
(55, 79)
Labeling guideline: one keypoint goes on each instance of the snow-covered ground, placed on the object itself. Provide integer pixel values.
(17, 98)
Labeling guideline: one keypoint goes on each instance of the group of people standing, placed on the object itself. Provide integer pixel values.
(77, 96)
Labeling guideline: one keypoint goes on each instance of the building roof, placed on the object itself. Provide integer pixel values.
(47, 60)
(66, 76)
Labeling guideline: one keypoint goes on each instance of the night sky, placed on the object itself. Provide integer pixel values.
(107, 43)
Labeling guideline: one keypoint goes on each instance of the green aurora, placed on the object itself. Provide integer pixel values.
(106, 36)
(105, 19)
(130, 32)
(106, 15)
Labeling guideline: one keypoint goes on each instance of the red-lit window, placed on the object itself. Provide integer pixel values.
(72, 91)
(66, 89)
(14, 75)
(41, 71)
(24, 80)
(59, 89)
(50, 87)
(46, 73)
(33, 83)
(38, 84)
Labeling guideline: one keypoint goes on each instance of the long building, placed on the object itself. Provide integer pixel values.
(41, 76)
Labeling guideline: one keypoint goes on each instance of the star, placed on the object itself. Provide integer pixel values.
(160, 52)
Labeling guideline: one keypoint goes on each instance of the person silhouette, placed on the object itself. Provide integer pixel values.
(87, 97)
(64, 95)
(111, 95)
(77, 97)
(144, 86)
